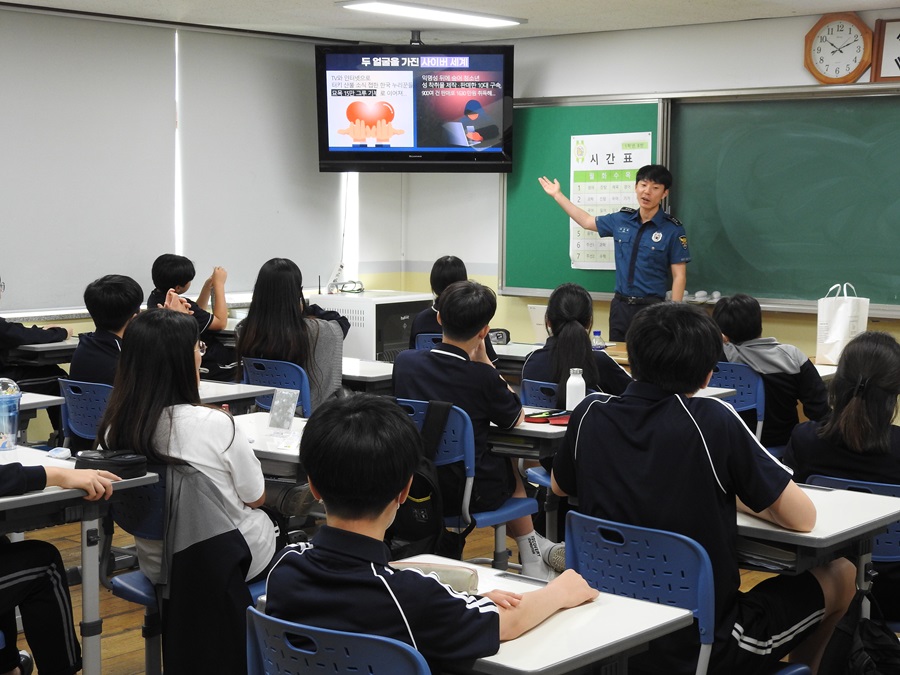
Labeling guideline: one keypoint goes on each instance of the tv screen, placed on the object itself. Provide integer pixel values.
(415, 108)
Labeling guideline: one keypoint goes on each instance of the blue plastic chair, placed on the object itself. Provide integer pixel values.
(887, 546)
(751, 393)
(662, 567)
(141, 512)
(458, 445)
(428, 340)
(538, 394)
(277, 647)
(280, 374)
(83, 409)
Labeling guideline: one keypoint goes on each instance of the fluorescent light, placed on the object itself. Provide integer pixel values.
(413, 11)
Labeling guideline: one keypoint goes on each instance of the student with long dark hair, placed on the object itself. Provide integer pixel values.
(155, 410)
(857, 440)
(570, 315)
(278, 327)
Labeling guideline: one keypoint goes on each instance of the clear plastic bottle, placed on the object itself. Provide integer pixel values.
(597, 341)
(575, 388)
(9, 413)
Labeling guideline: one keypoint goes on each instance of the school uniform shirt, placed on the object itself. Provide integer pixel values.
(208, 440)
(788, 376)
(446, 373)
(343, 581)
(16, 479)
(662, 244)
(426, 322)
(14, 334)
(665, 461)
(539, 366)
(96, 357)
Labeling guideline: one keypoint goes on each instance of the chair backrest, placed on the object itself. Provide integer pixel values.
(84, 407)
(280, 374)
(458, 442)
(428, 340)
(887, 545)
(275, 647)
(751, 393)
(141, 511)
(638, 562)
(538, 394)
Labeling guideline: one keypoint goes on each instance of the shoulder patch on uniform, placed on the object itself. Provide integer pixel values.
(627, 209)
(674, 219)
(683, 240)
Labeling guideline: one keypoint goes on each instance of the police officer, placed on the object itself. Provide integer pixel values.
(649, 244)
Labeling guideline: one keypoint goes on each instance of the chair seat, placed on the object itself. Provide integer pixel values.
(514, 507)
(793, 669)
(538, 475)
(134, 587)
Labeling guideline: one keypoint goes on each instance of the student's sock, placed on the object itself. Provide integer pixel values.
(533, 564)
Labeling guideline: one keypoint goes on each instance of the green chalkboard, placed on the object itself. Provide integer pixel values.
(535, 244)
(783, 198)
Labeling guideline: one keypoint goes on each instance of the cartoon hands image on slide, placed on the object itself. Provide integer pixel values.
(370, 120)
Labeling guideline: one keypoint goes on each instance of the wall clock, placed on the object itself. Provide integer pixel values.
(838, 48)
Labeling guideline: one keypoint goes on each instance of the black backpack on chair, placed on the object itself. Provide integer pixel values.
(418, 527)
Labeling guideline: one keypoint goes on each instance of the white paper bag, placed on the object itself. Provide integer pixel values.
(841, 318)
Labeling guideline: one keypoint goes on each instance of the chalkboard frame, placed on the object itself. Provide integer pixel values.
(660, 135)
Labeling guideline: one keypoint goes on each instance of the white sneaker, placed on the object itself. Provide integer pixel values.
(555, 557)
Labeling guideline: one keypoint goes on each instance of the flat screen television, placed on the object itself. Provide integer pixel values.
(415, 108)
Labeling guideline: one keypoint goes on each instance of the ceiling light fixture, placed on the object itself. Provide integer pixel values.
(413, 11)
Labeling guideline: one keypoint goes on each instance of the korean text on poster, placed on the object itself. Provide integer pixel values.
(603, 170)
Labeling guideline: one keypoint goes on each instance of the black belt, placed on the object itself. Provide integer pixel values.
(630, 300)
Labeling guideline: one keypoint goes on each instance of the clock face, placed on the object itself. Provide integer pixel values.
(838, 49)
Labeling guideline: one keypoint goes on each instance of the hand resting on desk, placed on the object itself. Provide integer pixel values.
(97, 484)
(520, 612)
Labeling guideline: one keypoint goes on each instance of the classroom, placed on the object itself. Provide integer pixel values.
(193, 130)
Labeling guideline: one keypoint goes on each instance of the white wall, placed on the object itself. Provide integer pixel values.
(460, 214)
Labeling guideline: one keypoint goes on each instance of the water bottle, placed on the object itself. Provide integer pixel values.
(597, 342)
(9, 413)
(575, 389)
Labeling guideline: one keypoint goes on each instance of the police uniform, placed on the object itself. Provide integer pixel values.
(446, 373)
(343, 581)
(665, 461)
(539, 366)
(644, 255)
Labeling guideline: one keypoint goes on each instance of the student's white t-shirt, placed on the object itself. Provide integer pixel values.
(207, 439)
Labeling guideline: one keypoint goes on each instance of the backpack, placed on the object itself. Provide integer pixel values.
(861, 646)
(419, 524)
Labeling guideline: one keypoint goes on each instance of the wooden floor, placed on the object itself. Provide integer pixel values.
(122, 644)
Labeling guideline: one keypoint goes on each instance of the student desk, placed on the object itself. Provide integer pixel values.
(603, 632)
(50, 353)
(826, 372)
(30, 401)
(220, 392)
(272, 445)
(55, 506)
(846, 524)
(511, 357)
(373, 377)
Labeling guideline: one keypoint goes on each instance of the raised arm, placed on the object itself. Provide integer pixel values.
(220, 307)
(792, 510)
(579, 215)
(521, 613)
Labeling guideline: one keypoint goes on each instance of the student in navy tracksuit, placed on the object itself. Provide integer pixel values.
(32, 577)
(359, 453)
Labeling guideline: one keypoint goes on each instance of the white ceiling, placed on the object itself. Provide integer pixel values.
(324, 19)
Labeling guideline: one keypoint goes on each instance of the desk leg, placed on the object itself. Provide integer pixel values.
(863, 562)
(91, 623)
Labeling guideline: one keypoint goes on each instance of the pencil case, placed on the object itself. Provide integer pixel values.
(121, 462)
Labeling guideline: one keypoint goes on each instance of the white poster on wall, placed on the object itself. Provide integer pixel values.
(603, 171)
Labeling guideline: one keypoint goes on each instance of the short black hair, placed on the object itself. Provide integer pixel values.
(674, 346)
(359, 452)
(465, 307)
(445, 271)
(170, 270)
(655, 173)
(739, 317)
(112, 301)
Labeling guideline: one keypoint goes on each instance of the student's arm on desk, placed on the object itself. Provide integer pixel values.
(479, 354)
(97, 484)
(522, 612)
(793, 510)
(579, 215)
